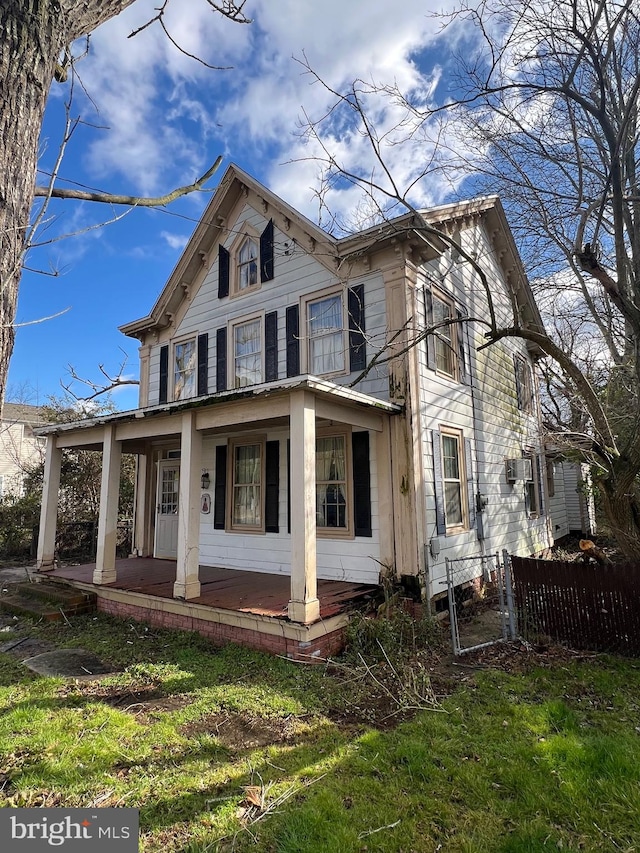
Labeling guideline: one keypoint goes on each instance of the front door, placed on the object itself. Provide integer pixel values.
(166, 538)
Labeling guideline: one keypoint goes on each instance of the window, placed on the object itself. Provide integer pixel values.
(247, 353)
(246, 486)
(325, 333)
(247, 265)
(331, 483)
(524, 385)
(453, 479)
(532, 485)
(185, 365)
(445, 337)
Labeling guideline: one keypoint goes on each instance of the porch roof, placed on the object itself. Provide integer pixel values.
(225, 409)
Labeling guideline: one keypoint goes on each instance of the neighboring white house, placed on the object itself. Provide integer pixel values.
(20, 449)
(571, 504)
(294, 421)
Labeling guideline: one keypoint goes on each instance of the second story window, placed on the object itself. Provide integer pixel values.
(247, 273)
(445, 342)
(185, 365)
(325, 330)
(247, 353)
(524, 385)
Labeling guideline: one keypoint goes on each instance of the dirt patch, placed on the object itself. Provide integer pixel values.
(238, 733)
(25, 647)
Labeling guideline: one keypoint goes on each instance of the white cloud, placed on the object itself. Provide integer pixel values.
(174, 241)
(168, 115)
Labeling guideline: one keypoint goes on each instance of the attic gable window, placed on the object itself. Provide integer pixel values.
(185, 364)
(247, 269)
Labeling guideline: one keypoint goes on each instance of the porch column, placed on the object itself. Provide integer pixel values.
(141, 541)
(49, 508)
(105, 570)
(304, 606)
(187, 583)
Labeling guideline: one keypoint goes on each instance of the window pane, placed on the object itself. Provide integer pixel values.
(453, 504)
(450, 457)
(444, 337)
(326, 339)
(248, 354)
(331, 491)
(184, 384)
(247, 493)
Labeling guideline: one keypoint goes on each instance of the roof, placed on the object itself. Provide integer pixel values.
(316, 384)
(22, 413)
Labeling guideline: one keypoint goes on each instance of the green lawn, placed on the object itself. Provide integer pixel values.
(233, 750)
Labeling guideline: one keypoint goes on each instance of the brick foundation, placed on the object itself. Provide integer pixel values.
(320, 648)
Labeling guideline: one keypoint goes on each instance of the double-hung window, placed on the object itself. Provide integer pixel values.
(247, 265)
(325, 334)
(185, 364)
(331, 483)
(247, 353)
(247, 477)
(453, 476)
(445, 343)
(524, 385)
(532, 484)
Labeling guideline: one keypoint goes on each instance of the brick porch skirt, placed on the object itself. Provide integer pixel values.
(317, 649)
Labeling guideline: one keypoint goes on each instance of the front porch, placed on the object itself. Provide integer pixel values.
(250, 608)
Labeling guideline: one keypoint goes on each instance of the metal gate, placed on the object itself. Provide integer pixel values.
(481, 607)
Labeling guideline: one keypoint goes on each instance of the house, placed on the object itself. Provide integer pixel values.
(299, 439)
(20, 448)
(571, 502)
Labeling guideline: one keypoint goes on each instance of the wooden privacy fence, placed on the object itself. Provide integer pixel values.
(584, 606)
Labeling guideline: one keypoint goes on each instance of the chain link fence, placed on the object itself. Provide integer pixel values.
(481, 610)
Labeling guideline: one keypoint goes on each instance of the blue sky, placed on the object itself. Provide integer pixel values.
(152, 119)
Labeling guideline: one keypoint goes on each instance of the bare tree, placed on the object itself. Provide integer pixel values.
(36, 48)
(542, 109)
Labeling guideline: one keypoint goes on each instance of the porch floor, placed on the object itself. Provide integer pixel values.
(257, 593)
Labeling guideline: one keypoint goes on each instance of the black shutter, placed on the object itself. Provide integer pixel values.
(431, 345)
(272, 486)
(219, 509)
(164, 374)
(223, 272)
(438, 483)
(203, 364)
(293, 340)
(266, 253)
(221, 359)
(271, 346)
(461, 332)
(357, 342)
(361, 484)
(471, 499)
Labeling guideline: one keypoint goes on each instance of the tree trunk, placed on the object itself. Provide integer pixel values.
(33, 34)
(622, 510)
(31, 43)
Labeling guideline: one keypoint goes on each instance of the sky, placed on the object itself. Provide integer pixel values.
(148, 118)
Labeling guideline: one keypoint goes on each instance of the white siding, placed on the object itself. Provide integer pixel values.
(487, 413)
(297, 275)
(353, 560)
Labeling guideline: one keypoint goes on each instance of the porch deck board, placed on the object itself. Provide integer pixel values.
(229, 589)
